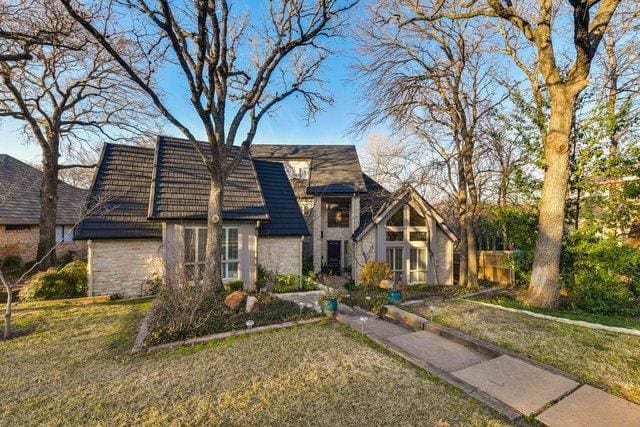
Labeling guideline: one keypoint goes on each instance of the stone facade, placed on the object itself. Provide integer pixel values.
(24, 242)
(123, 266)
(280, 255)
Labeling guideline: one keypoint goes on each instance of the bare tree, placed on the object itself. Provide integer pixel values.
(235, 68)
(434, 80)
(537, 24)
(65, 96)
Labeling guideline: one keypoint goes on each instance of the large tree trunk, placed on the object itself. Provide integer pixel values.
(472, 203)
(544, 286)
(213, 257)
(472, 253)
(48, 209)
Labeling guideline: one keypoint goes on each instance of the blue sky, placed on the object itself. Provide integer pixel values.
(287, 126)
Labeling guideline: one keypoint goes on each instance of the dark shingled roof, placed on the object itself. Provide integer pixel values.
(20, 195)
(371, 202)
(180, 187)
(286, 218)
(335, 169)
(119, 199)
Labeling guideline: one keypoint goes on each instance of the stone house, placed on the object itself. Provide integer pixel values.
(284, 204)
(20, 211)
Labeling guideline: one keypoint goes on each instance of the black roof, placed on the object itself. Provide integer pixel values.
(180, 186)
(20, 199)
(335, 169)
(286, 218)
(371, 202)
(119, 199)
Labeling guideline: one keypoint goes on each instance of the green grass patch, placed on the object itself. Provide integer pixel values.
(605, 359)
(74, 368)
(567, 313)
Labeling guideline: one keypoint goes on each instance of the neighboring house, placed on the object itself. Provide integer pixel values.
(279, 199)
(20, 211)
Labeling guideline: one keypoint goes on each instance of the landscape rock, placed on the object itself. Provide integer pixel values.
(385, 284)
(234, 299)
(252, 304)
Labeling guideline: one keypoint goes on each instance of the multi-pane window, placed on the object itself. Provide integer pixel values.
(195, 242)
(397, 219)
(416, 219)
(338, 213)
(394, 259)
(418, 265)
(64, 233)
(418, 236)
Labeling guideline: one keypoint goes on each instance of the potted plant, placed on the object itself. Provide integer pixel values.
(394, 295)
(329, 302)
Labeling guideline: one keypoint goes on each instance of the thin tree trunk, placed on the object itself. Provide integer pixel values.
(48, 209)
(472, 203)
(472, 254)
(462, 214)
(544, 286)
(7, 311)
(213, 272)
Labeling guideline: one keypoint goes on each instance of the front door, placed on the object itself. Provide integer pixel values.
(333, 253)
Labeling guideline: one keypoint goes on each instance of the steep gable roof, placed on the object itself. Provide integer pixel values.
(180, 185)
(20, 184)
(119, 199)
(335, 169)
(286, 218)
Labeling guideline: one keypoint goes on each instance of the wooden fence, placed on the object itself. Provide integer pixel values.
(492, 267)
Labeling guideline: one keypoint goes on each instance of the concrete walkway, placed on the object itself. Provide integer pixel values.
(510, 385)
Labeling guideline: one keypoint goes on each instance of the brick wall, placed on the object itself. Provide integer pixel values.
(123, 266)
(281, 255)
(25, 243)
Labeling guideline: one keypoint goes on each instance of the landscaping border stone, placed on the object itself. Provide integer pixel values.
(143, 330)
(582, 323)
(223, 335)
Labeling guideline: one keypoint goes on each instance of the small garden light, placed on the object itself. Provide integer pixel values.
(249, 323)
(301, 304)
(432, 309)
(363, 320)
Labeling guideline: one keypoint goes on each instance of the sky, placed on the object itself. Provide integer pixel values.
(286, 126)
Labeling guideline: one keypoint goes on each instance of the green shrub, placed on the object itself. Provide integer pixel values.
(373, 272)
(601, 275)
(293, 283)
(265, 278)
(234, 285)
(116, 296)
(67, 282)
(12, 263)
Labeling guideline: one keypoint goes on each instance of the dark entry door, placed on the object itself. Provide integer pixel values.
(333, 253)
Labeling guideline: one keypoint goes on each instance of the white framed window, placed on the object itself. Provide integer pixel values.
(195, 246)
(394, 259)
(64, 233)
(418, 265)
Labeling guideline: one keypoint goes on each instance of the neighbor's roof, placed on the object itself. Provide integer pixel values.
(119, 199)
(286, 218)
(20, 195)
(335, 169)
(180, 185)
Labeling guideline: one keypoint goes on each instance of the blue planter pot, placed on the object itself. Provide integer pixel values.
(394, 297)
(330, 307)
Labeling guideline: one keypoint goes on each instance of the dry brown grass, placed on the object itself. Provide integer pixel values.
(605, 359)
(74, 369)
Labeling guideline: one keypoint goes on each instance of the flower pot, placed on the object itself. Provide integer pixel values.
(330, 307)
(394, 296)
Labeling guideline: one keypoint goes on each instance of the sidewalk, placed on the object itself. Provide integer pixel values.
(510, 385)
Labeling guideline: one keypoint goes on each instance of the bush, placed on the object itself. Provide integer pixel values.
(265, 278)
(293, 283)
(234, 285)
(68, 282)
(601, 275)
(12, 263)
(374, 272)
(116, 296)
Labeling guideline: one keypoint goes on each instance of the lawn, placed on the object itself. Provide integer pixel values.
(506, 300)
(605, 359)
(72, 367)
